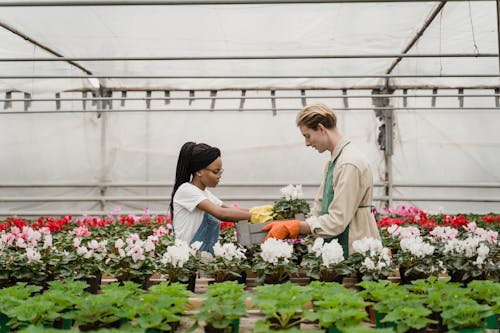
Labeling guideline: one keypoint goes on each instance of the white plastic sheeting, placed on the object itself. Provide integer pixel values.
(432, 145)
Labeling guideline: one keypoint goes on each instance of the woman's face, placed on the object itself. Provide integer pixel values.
(211, 175)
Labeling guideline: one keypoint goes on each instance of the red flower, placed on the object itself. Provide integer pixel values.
(225, 225)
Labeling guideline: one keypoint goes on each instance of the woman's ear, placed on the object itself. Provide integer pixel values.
(321, 128)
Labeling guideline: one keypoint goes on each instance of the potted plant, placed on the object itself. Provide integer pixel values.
(336, 311)
(132, 259)
(274, 263)
(10, 298)
(461, 313)
(370, 260)
(161, 308)
(229, 263)
(180, 263)
(377, 291)
(325, 261)
(467, 259)
(281, 305)
(223, 306)
(406, 312)
(416, 260)
(291, 204)
(436, 292)
(107, 310)
(487, 292)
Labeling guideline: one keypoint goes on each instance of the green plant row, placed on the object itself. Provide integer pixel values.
(433, 302)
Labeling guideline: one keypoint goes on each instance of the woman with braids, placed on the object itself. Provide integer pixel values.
(196, 213)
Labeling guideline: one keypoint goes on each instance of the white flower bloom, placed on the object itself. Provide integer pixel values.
(82, 250)
(291, 192)
(417, 247)
(317, 246)
(93, 244)
(368, 244)
(76, 242)
(332, 253)
(369, 264)
(176, 255)
(47, 241)
(274, 249)
(229, 251)
(119, 243)
(149, 246)
(444, 233)
(33, 255)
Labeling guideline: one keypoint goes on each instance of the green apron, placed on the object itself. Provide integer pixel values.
(328, 194)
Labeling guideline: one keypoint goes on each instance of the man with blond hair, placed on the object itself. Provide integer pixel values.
(342, 207)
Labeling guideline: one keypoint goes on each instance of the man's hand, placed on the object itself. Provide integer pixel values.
(282, 229)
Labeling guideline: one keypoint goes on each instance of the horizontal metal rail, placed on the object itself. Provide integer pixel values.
(236, 109)
(97, 99)
(239, 184)
(256, 57)
(66, 3)
(227, 198)
(305, 76)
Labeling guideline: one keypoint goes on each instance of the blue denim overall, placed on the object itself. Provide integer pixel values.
(208, 233)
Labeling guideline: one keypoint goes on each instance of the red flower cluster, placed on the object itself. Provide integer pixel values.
(225, 225)
(491, 218)
(455, 221)
(53, 224)
(422, 219)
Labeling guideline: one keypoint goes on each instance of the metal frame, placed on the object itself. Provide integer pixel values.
(66, 3)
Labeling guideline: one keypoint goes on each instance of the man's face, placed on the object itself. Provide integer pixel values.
(315, 138)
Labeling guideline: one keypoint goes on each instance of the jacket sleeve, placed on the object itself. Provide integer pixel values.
(347, 187)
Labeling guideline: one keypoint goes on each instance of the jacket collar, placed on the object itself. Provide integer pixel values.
(338, 148)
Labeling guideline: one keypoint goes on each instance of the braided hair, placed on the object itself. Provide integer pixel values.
(192, 157)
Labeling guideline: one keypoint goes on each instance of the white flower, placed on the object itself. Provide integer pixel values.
(369, 264)
(176, 255)
(47, 241)
(76, 242)
(93, 244)
(274, 249)
(444, 233)
(368, 244)
(33, 255)
(82, 250)
(332, 253)
(291, 192)
(119, 243)
(416, 246)
(229, 251)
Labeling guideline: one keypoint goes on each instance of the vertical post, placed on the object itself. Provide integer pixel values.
(498, 34)
(385, 140)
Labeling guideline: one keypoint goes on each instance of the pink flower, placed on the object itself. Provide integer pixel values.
(81, 231)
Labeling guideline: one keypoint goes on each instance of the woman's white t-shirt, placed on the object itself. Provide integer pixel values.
(188, 217)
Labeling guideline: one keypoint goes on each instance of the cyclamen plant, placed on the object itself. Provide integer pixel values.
(370, 259)
(180, 261)
(416, 259)
(274, 263)
(291, 204)
(325, 261)
(229, 262)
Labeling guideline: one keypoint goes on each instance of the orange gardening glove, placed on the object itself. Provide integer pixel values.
(282, 229)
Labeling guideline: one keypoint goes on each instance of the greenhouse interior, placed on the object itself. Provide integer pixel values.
(99, 98)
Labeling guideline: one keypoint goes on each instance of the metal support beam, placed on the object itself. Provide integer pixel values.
(255, 57)
(43, 47)
(93, 3)
(385, 113)
(305, 76)
(417, 36)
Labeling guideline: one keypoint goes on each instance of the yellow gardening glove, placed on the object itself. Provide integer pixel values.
(261, 214)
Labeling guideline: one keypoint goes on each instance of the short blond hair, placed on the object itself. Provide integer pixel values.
(314, 114)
